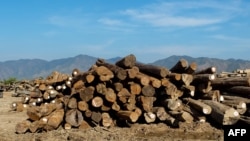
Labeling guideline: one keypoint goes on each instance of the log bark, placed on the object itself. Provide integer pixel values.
(152, 70)
(230, 82)
(198, 116)
(209, 70)
(198, 105)
(191, 68)
(222, 114)
(180, 66)
(239, 105)
(241, 90)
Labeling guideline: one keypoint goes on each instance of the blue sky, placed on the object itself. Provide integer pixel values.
(149, 29)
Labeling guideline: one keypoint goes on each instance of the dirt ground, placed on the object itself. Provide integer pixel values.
(138, 132)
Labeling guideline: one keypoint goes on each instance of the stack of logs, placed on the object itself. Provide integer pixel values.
(129, 92)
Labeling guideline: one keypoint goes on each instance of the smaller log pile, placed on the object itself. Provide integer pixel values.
(129, 92)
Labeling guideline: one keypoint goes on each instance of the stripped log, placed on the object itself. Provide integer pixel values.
(146, 103)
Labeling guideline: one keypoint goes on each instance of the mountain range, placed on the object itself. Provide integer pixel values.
(33, 68)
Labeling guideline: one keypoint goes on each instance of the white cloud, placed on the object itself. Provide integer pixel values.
(185, 13)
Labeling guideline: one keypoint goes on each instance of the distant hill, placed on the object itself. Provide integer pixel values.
(32, 68)
(228, 65)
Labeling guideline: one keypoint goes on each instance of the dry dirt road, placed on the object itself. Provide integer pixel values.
(138, 132)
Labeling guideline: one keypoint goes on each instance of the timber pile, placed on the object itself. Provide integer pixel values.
(129, 92)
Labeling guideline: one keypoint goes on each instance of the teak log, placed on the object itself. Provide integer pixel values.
(230, 82)
(180, 66)
(198, 116)
(149, 117)
(104, 73)
(96, 116)
(128, 115)
(203, 77)
(22, 127)
(118, 71)
(107, 121)
(212, 95)
(135, 88)
(146, 102)
(191, 68)
(172, 104)
(127, 62)
(97, 101)
(110, 95)
(161, 113)
(209, 70)
(238, 104)
(182, 116)
(198, 105)
(222, 113)
(132, 72)
(56, 118)
(152, 70)
(241, 90)
(148, 90)
(74, 117)
(87, 93)
(189, 90)
(82, 106)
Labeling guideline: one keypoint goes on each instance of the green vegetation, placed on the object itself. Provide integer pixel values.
(9, 81)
